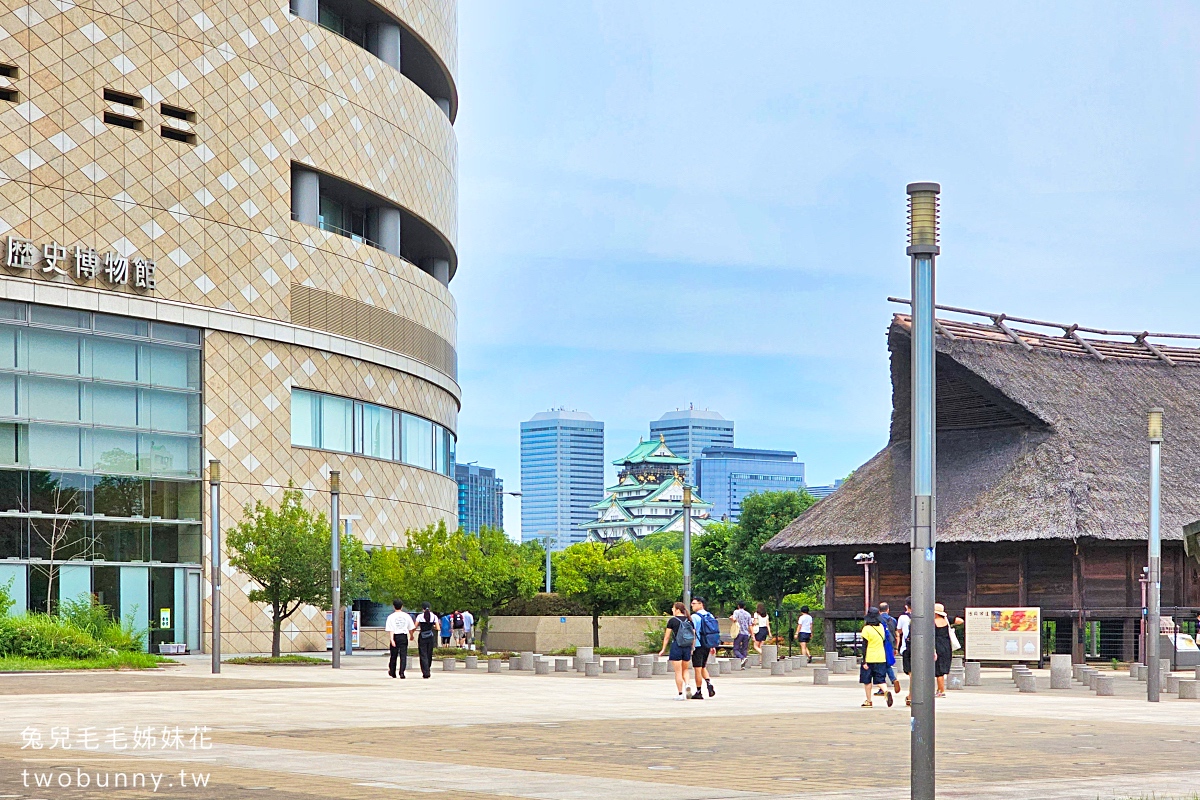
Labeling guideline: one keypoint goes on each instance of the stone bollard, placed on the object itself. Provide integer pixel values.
(577, 663)
(830, 657)
(514, 663)
(592, 669)
(661, 667)
(561, 665)
(777, 668)
(974, 673)
(1092, 676)
(1105, 686)
(624, 664)
(1142, 669)
(1017, 669)
(448, 664)
(1197, 672)
(753, 660)
(839, 667)
(472, 662)
(956, 662)
(586, 653)
(726, 666)
(1189, 690)
(1164, 669)
(1027, 684)
(495, 665)
(610, 666)
(956, 679)
(787, 666)
(820, 676)
(645, 669)
(1133, 670)
(527, 661)
(770, 654)
(1171, 684)
(542, 667)
(1060, 672)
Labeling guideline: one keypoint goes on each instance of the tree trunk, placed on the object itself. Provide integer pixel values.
(595, 630)
(276, 622)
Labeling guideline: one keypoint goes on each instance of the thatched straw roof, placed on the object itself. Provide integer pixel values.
(1041, 440)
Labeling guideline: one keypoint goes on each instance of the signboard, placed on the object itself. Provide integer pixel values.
(353, 629)
(164, 618)
(81, 263)
(1004, 634)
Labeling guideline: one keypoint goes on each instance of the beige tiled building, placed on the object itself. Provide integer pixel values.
(229, 233)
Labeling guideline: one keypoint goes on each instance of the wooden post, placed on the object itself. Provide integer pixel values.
(830, 624)
(1077, 618)
(1022, 584)
(972, 598)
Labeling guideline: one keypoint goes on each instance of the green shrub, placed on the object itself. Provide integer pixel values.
(543, 605)
(290, 658)
(40, 636)
(653, 637)
(604, 651)
(97, 621)
(6, 598)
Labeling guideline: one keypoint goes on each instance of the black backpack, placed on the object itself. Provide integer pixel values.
(457, 620)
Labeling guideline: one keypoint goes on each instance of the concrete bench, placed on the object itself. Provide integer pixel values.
(1189, 690)
(1142, 670)
(1061, 672)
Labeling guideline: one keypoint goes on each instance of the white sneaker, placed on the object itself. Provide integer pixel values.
(681, 696)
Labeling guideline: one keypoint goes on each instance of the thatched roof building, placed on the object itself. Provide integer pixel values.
(1042, 461)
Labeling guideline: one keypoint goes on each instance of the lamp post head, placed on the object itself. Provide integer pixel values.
(335, 481)
(923, 218)
(1155, 420)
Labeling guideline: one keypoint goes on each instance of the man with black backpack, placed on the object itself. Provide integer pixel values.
(458, 630)
(680, 637)
(708, 637)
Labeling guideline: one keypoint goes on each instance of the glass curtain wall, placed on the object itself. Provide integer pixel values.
(99, 458)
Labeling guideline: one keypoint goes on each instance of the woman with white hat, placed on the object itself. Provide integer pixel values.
(944, 645)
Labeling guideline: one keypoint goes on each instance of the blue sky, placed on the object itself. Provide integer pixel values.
(665, 203)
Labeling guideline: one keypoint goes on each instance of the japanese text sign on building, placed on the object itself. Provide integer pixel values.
(81, 263)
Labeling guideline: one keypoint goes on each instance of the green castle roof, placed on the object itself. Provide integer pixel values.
(652, 452)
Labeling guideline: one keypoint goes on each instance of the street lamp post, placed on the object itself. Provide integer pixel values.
(687, 547)
(1154, 560)
(923, 249)
(214, 578)
(866, 560)
(335, 490)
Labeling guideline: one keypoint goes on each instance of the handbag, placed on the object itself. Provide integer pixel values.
(954, 643)
(735, 630)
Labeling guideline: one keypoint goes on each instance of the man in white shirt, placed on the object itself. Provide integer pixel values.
(398, 626)
(804, 631)
(469, 629)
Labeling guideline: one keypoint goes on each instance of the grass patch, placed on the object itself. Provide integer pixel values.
(109, 661)
(291, 658)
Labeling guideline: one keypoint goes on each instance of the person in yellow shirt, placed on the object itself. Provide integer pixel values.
(874, 663)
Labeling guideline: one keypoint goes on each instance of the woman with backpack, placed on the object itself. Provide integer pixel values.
(678, 640)
(873, 671)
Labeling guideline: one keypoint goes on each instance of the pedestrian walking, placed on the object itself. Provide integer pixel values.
(428, 622)
(761, 623)
(903, 626)
(446, 629)
(398, 625)
(889, 622)
(873, 671)
(678, 641)
(708, 637)
(458, 635)
(469, 629)
(804, 632)
(741, 639)
(945, 642)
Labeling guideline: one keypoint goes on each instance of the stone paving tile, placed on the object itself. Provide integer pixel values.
(98, 682)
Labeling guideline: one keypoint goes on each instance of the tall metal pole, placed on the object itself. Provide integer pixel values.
(1154, 604)
(923, 248)
(348, 612)
(866, 586)
(687, 548)
(548, 584)
(214, 577)
(335, 490)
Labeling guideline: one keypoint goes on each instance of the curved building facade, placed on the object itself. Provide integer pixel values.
(229, 233)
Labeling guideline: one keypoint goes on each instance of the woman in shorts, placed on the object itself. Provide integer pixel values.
(680, 656)
(873, 671)
(761, 622)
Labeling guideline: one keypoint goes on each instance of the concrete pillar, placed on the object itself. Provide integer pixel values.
(624, 664)
(542, 667)
(514, 663)
(610, 666)
(661, 667)
(592, 669)
(305, 9)
(383, 228)
(974, 673)
(956, 679)
(1105, 686)
(495, 665)
(585, 653)
(472, 662)
(1189, 690)
(1092, 677)
(645, 669)
(1165, 666)
(726, 666)
(560, 665)
(439, 268)
(770, 654)
(306, 194)
(956, 662)
(444, 104)
(839, 667)
(1142, 669)
(527, 661)
(753, 660)
(448, 664)
(383, 39)
(1171, 684)
(1027, 683)
(777, 668)
(1060, 672)
(820, 676)
(830, 658)
(787, 665)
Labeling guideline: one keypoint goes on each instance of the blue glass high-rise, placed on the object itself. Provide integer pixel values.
(562, 475)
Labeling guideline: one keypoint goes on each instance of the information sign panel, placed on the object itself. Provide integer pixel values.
(1004, 634)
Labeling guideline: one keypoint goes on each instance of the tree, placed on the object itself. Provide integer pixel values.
(287, 551)
(615, 578)
(460, 570)
(666, 540)
(772, 575)
(59, 535)
(715, 575)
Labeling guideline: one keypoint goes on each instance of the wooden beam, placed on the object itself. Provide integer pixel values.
(1153, 348)
(1022, 587)
(1077, 619)
(998, 321)
(972, 594)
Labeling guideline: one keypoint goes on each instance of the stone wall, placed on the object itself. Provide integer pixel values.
(542, 634)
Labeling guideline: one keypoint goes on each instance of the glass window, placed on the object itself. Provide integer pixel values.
(175, 544)
(52, 399)
(114, 405)
(11, 310)
(13, 541)
(441, 453)
(120, 496)
(335, 423)
(11, 349)
(59, 492)
(169, 455)
(12, 490)
(8, 395)
(122, 541)
(418, 442)
(60, 539)
(114, 360)
(54, 353)
(128, 326)
(59, 447)
(173, 366)
(172, 411)
(61, 317)
(13, 443)
(176, 333)
(175, 499)
(306, 418)
(377, 431)
(116, 451)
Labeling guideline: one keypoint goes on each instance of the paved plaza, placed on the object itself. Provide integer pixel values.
(298, 732)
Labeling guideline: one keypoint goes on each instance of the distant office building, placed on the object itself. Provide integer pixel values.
(480, 498)
(688, 432)
(824, 491)
(725, 475)
(562, 475)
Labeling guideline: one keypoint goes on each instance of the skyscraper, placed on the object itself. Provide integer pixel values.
(725, 475)
(562, 475)
(480, 497)
(688, 432)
